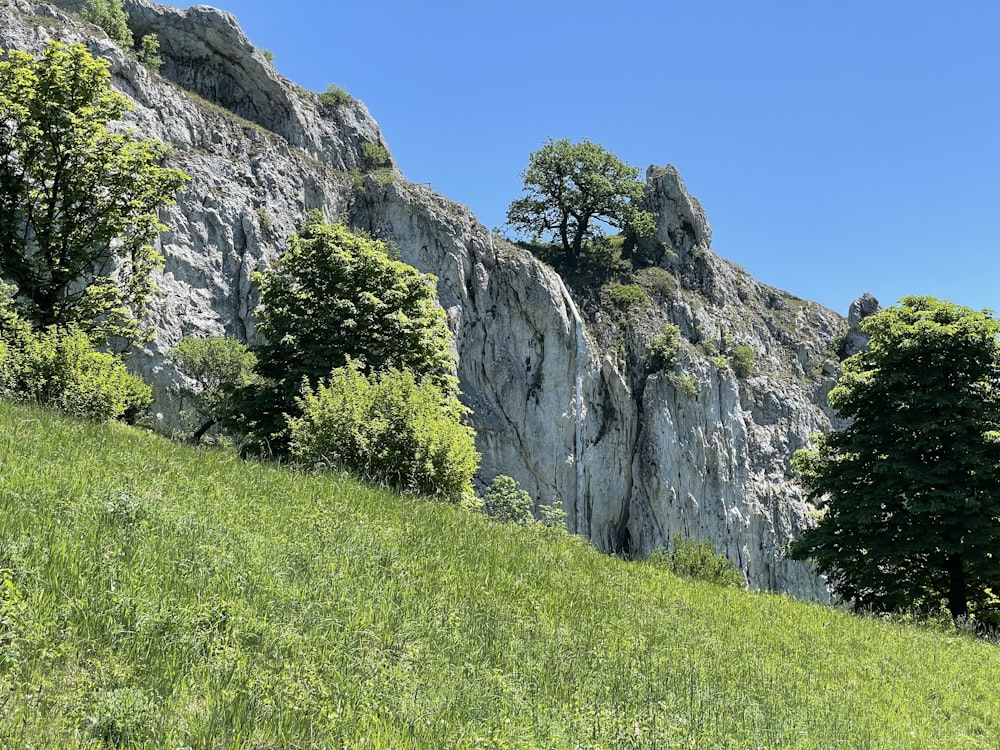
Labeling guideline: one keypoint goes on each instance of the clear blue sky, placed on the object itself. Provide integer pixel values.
(838, 147)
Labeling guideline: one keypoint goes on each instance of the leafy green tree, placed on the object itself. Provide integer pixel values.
(573, 187)
(109, 15)
(78, 202)
(387, 428)
(910, 490)
(336, 297)
(217, 367)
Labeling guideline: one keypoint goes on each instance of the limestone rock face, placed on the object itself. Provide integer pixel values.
(856, 339)
(561, 397)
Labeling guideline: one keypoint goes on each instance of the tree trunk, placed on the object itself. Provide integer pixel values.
(958, 601)
(200, 432)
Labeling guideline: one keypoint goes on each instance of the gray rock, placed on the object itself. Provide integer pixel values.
(864, 306)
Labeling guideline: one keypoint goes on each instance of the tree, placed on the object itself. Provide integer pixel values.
(218, 366)
(78, 202)
(910, 490)
(332, 298)
(571, 188)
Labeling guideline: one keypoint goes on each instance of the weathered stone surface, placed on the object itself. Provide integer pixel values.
(635, 457)
(856, 339)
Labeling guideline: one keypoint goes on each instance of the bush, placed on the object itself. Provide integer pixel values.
(110, 16)
(334, 96)
(149, 55)
(507, 502)
(375, 155)
(59, 367)
(662, 349)
(388, 428)
(626, 296)
(743, 360)
(699, 560)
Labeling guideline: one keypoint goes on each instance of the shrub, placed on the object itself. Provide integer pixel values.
(744, 360)
(110, 16)
(59, 367)
(662, 350)
(149, 55)
(507, 502)
(699, 560)
(375, 155)
(625, 296)
(334, 96)
(388, 428)
(685, 383)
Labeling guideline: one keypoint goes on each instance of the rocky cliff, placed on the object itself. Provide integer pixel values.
(561, 397)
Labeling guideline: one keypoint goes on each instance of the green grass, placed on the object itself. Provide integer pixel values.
(161, 596)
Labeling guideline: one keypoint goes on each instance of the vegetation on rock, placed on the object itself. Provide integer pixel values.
(574, 187)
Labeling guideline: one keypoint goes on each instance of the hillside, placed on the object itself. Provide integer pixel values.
(153, 595)
(553, 374)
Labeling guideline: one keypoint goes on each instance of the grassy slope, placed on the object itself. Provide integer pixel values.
(160, 596)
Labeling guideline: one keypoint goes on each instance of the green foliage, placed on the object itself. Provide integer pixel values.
(389, 429)
(507, 502)
(743, 359)
(149, 54)
(110, 16)
(910, 489)
(626, 296)
(218, 367)
(336, 297)
(375, 155)
(334, 96)
(78, 202)
(249, 605)
(574, 187)
(268, 55)
(700, 561)
(59, 367)
(662, 350)
(685, 382)
(121, 717)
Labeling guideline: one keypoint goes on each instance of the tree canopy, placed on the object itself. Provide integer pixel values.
(78, 202)
(333, 298)
(910, 489)
(573, 187)
(217, 366)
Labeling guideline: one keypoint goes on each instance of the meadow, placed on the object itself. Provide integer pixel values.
(156, 595)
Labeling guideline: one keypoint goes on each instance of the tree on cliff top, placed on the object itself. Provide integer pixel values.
(910, 490)
(573, 187)
(78, 202)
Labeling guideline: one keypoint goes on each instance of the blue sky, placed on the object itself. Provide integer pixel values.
(838, 147)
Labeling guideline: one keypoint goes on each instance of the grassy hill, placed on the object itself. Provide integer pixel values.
(152, 595)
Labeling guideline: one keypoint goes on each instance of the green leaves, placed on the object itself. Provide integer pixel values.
(79, 203)
(336, 297)
(389, 429)
(571, 186)
(911, 487)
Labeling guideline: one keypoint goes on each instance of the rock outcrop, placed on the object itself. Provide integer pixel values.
(561, 398)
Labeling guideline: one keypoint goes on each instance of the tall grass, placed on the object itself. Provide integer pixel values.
(155, 595)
